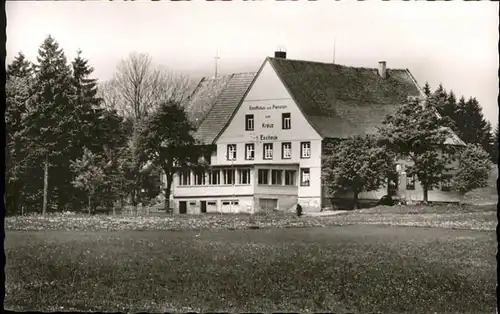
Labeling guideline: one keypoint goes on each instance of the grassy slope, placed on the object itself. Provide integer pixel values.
(359, 268)
(487, 195)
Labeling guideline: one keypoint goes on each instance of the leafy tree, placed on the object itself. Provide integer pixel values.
(48, 121)
(136, 91)
(167, 142)
(473, 170)
(356, 165)
(416, 133)
(90, 175)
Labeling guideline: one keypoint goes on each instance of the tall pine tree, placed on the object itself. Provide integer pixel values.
(468, 120)
(495, 154)
(19, 87)
(49, 120)
(20, 67)
(427, 89)
(474, 128)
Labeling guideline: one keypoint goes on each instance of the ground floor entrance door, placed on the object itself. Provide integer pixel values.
(203, 206)
(182, 207)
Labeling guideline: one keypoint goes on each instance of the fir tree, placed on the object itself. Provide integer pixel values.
(427, 89)
(474, 128)
(49, 121)
(86, 106)
(18, 165)
(495, 143)
(450, 107)
(439, 100)
(20, 67)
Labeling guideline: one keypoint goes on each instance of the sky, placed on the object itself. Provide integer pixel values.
(453, 43)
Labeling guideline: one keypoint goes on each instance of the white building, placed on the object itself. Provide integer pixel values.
(267, 130)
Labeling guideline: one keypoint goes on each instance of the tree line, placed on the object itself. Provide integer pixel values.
(74, 143)
(466, 117)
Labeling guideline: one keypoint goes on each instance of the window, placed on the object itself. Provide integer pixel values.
(449, 156)
(286, 150)
(243, 176)
(304, 177)
(263, 175)
(231, 152)
(276, 177)
(268, 150)
(305, 149)
(228, 175)
(214, 177)
(286, 121)
(410, 182)
(249, 151)
(212, 203)
(445, 184)
(289, 177)
(249, 122)
(199, 178)
(234, 202)
(184, 178)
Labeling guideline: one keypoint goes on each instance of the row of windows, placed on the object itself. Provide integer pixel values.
(286, 122)
(410, 184)
(215, 177)
(283, 177)
(242, 177)
(268, 151)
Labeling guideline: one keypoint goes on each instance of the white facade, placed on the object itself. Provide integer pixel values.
(267, 118)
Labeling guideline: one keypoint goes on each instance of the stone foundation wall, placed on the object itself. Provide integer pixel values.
(310, 204)
(285, 202)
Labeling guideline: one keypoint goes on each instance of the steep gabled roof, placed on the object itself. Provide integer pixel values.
(203, 98)
(225, 105)
(340, 101)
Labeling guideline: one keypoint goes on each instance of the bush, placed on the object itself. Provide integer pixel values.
(299, 210)
(386, 200)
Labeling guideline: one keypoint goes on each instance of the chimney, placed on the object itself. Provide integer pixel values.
(382, 71)
(280, 53)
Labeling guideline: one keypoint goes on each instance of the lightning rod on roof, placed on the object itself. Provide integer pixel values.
(216, 60)
(333, 50)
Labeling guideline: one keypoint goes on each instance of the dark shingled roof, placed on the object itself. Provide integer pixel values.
(203, 98)
(341, 101)
(225, 105)
(338, 101)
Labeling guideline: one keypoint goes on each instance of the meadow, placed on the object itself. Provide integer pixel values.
(370, 260)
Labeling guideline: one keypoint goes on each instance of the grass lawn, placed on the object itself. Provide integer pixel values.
(361, 268)
(444, 216)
